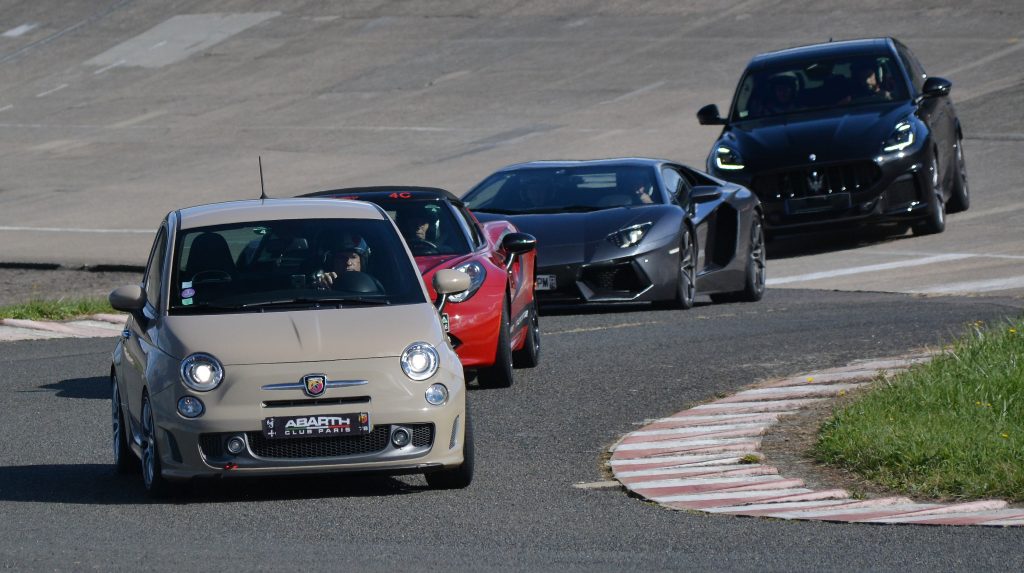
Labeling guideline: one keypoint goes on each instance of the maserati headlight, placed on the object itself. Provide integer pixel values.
(728, 158)
(625, 238)
(419, 361)
(477, 273)
(201, 372)
(902, 137)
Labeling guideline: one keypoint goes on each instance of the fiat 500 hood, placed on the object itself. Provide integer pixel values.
(790, 140)
(302, 335)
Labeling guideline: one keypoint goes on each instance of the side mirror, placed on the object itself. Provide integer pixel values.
(516, 244)
(449, 281)
(709, 115)
(705, 194)
(130, 299)
(936, 87)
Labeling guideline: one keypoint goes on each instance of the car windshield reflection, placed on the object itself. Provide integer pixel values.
(564, 190)
(286, 264)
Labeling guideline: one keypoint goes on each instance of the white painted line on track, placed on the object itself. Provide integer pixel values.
(867, 269)
(596, 328)
(635, 93)
(672, 444)
(690, 460)
(69, 230)
(974, 286)
(1014, 47)
(20, 30)
(6, 107)
(138, 119)
(963, 255)
(54, 90)
(700, 470)
(699, 430)
(665, 483)
(777, 506)
(764, 493)
(109, 67)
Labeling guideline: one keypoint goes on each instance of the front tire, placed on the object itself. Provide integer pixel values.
(756, 275)
(935, 221)
(529, 355)
(686, 280)
(960, 198)
(499, 374)
(461, 476)
(156, 484)
(125, 461)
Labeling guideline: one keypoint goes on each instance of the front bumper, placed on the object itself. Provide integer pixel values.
(812, 196)
(197, 447)
(642, 277)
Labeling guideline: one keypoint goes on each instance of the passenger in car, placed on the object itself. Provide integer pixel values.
(866, 84)
(781, 96)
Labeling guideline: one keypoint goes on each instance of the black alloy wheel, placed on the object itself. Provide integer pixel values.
(152, 477)
(960, 198)
(499, 374)
(686, 279)
(529, 355)
(461, 476)
(935, 221)
(756, 276)
(125, 461)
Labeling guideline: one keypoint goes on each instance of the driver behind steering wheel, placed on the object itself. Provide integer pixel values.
(417, 229)
(349, 254)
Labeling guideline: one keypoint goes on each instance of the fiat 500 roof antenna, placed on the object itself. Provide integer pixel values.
(263, 192)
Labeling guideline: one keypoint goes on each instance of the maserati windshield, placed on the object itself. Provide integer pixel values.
(819, 84)
(564, 189)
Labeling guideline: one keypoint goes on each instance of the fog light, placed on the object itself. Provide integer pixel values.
(190, 407)
(236, 444)
(400, 437)
(436, 395)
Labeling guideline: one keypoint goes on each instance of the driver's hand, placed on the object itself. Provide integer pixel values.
(325, 279)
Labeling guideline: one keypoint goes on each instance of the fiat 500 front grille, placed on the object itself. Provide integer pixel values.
(334, 447)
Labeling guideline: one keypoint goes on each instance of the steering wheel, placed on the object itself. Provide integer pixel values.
(423, 247)
(211, 277)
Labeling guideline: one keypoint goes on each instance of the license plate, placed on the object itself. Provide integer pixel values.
(323, 425)
(546, 282)
(833, 202)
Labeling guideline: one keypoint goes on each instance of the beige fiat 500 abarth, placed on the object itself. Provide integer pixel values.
(286, 336)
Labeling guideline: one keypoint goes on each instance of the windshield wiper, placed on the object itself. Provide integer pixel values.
(317, 300)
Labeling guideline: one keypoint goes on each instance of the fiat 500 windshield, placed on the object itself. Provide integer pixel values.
(265, 265)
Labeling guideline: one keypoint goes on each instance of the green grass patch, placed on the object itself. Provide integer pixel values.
(952, 428)
(62, 309)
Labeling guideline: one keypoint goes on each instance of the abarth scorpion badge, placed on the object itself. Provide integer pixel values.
(314, 384)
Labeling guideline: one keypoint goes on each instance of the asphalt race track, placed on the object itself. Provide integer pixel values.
(113, 112)
(63, 507)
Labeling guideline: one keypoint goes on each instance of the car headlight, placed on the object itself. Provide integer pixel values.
(625, 238)
(419, 361)
(477, 273)
(201, 372)
(728, 159)
(902, 137)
